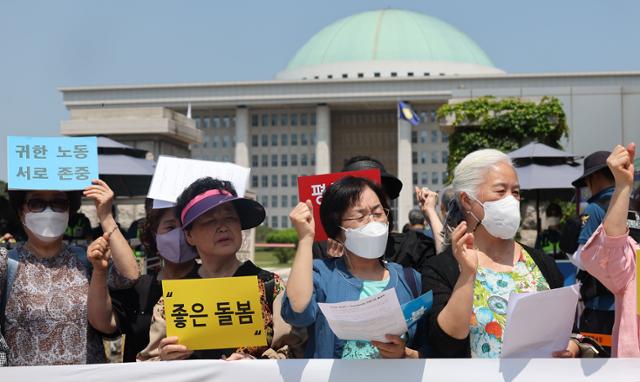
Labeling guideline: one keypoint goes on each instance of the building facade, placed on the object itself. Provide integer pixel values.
(337, 98)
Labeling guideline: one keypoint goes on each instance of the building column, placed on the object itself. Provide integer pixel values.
(242, 136)
(323, 139)
(405, 172)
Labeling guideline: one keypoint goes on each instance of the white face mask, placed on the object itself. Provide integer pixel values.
(501, 217)
(47, 225)
(368, 241)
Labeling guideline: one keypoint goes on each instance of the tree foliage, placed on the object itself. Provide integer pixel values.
(503, 124)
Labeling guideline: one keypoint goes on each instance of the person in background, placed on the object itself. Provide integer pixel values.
(46, 308)
(129, 311)
(610, 255)
(549, 239)
(416, 223)
(213, 217)
(354, 212)
(472, 280)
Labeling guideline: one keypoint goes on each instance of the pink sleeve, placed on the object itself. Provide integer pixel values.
(610, 259)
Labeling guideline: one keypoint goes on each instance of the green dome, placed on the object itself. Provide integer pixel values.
(389, 35)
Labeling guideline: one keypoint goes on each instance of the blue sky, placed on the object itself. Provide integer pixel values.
(50, 44)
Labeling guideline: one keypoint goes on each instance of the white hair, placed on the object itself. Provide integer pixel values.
(470, 172)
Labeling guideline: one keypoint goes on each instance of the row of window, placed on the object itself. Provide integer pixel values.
(263, 181)
(283, 119)
(284, 139)
(377, 75)
(215, 122)
(215, 141)
(284, 222)
(436, 157)
(275, 201)
(215, 158)
(436, 136)
(285, 160)
(435, 178)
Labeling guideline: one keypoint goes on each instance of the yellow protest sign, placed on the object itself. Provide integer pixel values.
(218, 313)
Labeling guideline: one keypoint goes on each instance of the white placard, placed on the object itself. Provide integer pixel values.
(173, 175)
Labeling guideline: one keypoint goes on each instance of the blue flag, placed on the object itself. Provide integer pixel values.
(406, 112)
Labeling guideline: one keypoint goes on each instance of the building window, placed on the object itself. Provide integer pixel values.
(226, 158)
(226, 141)
(254, 120)
(205, 141)
(313, 119)
(284, 180)
(445, 138)
(284, 201)
(303, 139)
(265, 181)
(414, 136)
(313, 159)
(283, 160)
(415, 178)
(434, 157)
(264, 160)
(345, 75)
(294, 180)
(313, 139)
(445, 176)
(294, 200)
(274, 201)
(423, 157)
(265, 120)
(294, 119)
(434, 136)
(360, 75)
(264, 138)
(274, 160)
(303, 119)
(424, 178)
(226, 122)
(254, 181)
(274, 180)
(274, 119)
(414, 157)
(445, 156)
(254, 161)
(254, 140)
(294, 139)
(285, 221)
(409, 74)
(434, 178)
(274, 139)
(216, 141)
(264, 201)
(303, 160)
(284, 119)
(274, 222)
(284, 139)
(215, 122)
(294, 159)
(394, 74)
(423, 136)
(434, 114)
(376, 74)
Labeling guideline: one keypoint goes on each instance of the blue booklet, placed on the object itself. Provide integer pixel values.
(416, 308)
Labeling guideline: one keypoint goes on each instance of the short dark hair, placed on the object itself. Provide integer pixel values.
(416, 217)
(18, 197)
(361, 158)
(198, 187)
(343, 194)
(150, 227)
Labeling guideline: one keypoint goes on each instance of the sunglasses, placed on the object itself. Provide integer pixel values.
(39, 205)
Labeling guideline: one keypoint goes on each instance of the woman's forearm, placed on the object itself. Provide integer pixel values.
(455, 318)
(436, 227)
(100, 310)
(122, 254)
(300, 284)
(615, 222)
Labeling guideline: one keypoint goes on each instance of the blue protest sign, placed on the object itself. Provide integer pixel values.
(51, 163)
(417, 307)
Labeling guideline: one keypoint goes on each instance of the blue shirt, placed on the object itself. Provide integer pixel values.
(332, 283)
(593, 214)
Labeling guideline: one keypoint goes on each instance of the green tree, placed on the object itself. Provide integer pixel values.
(503, 124)
(283, 236)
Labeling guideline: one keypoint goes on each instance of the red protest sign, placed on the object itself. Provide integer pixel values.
(312, 187)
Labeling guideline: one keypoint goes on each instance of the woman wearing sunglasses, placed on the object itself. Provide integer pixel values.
(45, 301)
(355, 213)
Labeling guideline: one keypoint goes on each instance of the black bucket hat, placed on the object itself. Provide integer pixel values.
(390, 183)
(592, 163)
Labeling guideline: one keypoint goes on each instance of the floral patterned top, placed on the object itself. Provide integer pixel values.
(490, 296)
(46, 314)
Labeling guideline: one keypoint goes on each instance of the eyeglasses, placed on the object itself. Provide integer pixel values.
(39, 205)
(377, 215)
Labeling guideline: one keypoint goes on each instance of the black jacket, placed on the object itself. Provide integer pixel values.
(440, 275)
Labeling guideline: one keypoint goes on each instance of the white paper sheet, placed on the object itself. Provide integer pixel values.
(539, 323)
(173, 175)
(368, 319)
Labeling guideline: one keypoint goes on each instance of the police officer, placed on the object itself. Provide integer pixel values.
(598, 315)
